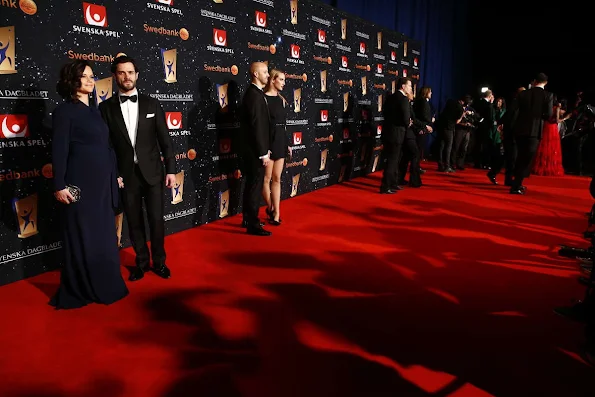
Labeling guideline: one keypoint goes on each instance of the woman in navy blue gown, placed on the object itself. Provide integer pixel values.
(82, 157)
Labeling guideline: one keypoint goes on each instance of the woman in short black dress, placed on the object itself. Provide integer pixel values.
(82, 157)
(279, 149)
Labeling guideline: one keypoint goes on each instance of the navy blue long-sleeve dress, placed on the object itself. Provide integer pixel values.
(82, 156)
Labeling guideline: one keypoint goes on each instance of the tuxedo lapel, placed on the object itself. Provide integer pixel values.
(119, 118)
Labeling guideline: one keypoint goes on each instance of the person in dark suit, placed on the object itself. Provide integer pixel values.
(140, 137)
(450, 116)
(82, 158)
(397, 120)
(508, 141)
(423, 112)
(482, 147)
(411, 152)
(256, 142)
(532, 108)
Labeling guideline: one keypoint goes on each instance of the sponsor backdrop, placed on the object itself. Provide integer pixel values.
(194, 57)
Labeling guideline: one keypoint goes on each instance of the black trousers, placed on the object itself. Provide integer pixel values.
(510, 156)
(481, 151)
(410, 155)
(392, 152)
(459, 147)
(422, 142)
(135, 192)
(496, 158)
(446, 139)
(527, 147)
(254, 173)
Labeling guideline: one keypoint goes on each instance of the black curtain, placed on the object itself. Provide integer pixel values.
(440, 25)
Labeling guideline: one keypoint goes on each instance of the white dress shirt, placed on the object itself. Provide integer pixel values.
(130, 114)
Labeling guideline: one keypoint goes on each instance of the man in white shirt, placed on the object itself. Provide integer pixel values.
(140, 137)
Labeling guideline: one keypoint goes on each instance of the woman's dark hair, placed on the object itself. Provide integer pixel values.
(70, 79)
(503, 102)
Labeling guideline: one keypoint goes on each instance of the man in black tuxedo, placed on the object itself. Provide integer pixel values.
(140, 137)
(532, 108)
(397, 120)
(256, 139)
(411, 153)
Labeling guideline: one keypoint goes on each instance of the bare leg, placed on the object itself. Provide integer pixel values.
(276, 187)
(266, 187)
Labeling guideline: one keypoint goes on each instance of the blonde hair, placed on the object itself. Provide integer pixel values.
(273, 74)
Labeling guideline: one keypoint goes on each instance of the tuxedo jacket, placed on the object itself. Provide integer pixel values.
(531, 109)
(255, 123)
(487, 114)
(152, 139)
(397, 115)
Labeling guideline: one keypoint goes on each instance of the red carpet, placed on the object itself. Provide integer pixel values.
(446, 290)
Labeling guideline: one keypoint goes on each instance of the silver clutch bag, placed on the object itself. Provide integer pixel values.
(75, 191)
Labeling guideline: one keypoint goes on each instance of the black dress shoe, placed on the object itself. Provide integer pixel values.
(137, 273)
(258, 232)
(387, 191)
(162, 271)
(492, 178)
(517, 191)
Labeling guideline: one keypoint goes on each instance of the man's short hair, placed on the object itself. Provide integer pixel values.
(541, 78)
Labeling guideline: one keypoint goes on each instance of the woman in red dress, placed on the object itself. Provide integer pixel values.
(548, 159)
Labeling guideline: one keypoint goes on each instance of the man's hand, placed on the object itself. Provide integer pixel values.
(120, 182)
(170, 180)
(429, 129)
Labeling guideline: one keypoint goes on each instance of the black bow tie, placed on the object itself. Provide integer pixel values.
(124, 98)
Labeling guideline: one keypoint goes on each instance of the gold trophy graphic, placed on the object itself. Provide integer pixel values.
(414, 90)
(345, 101)
(297, 100)
(7, 50)
(342, 173)
(177, 191)
(405, 49)
(379, 40)
(295, 181)
(294, 11)
(364, 85)
(169, 60)
(119, 219)
(323, 81)
(380, 103)
(103, 89)
(344, 29)
(26, 212)
(323, 155)
(222, 95)
(224, 204)
(375, 163)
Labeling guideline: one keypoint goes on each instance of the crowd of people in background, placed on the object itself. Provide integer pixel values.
(524, 138)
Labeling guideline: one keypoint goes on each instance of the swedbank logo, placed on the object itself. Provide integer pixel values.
(181, 33)
(91, 56)
(221, 69)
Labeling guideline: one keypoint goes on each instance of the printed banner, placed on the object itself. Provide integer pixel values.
(193, 58)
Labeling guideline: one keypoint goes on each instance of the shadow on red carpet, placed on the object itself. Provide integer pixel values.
(446, 290)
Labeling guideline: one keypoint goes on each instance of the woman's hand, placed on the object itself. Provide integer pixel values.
(64, 196)
(120, 182)
(290, 151)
